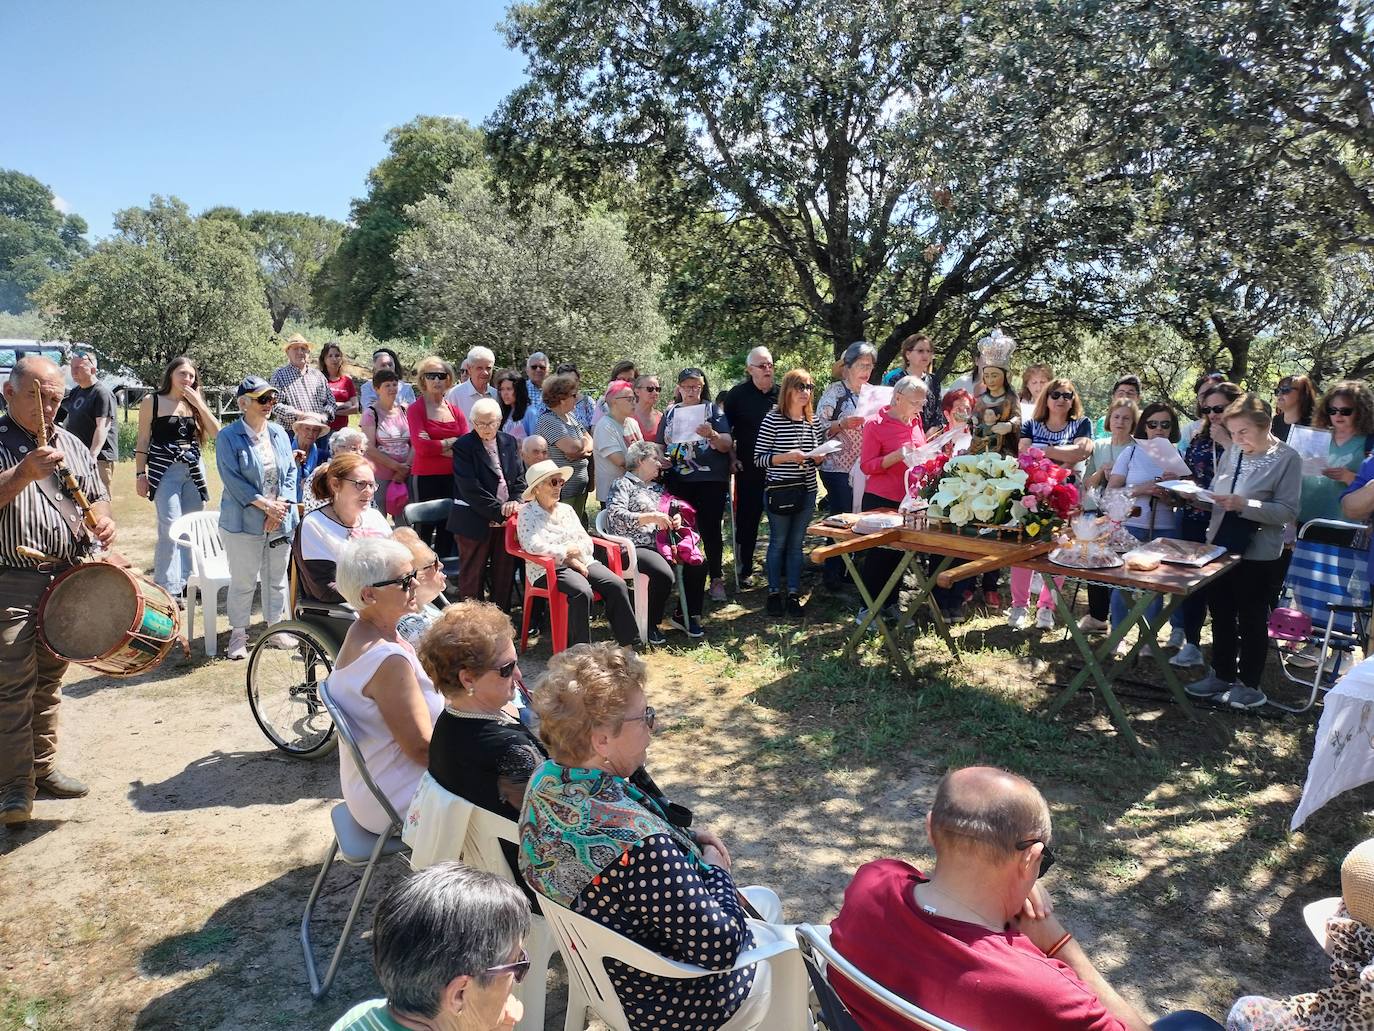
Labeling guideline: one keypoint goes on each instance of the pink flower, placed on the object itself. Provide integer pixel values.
(1030, 503)
(1040, 490)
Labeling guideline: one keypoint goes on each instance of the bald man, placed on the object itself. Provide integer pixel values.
(977, 942)
(36, 514)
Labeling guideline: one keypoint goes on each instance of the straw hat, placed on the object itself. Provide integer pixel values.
(295, 339)
(537, 474)
(1357, 892)
(310, 419)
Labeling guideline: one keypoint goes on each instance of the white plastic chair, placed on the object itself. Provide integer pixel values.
(639, 582)
(352, 843)
(440, 826)
(586, 945)
(819, 955)
(198, 533)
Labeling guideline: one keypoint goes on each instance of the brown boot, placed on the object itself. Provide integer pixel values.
(57, 784)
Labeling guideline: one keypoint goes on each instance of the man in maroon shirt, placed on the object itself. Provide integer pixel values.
(977, 942)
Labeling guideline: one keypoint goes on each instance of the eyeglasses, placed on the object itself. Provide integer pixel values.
(761, 365)
(1334, 410)
(504, 672)
(432, 567)
(1212, 409)
(648, 716)
(363, 485)
(266, 399)
(405, 583)
(1280, 391)
(519, 968)
(806, 388)
(1061, 395)
(1046, 857)
(652, 390)
(1159, 424)
(435, 375)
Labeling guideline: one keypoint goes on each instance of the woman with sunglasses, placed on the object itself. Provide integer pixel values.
(645, 415)
(786, 437)
(173, 424)
(379, 684)
(430, 584)
(257, 466)
(593, 841)
(1347, 411)
(346, 486)
(1058, 428)
(1295, 402)
(570, 445)
(435, 425)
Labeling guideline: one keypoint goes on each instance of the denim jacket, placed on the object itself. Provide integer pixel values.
(241, 473)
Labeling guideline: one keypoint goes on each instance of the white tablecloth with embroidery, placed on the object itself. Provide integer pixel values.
(1343, 753)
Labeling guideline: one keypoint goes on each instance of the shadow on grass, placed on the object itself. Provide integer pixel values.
(238, 779)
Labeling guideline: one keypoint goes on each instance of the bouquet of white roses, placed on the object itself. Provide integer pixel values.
(1026, 491)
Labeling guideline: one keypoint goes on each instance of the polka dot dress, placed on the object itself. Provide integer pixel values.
(663, 900)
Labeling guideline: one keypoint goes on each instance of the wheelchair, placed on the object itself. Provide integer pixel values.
(287, 665)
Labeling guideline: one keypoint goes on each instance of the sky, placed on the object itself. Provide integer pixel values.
(260, 105)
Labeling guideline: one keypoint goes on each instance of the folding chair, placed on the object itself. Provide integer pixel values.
(198, 533)
(354, 845)
(441, 825)
(586, 945)
(1327, 584)
(639, 582)
(819, 956)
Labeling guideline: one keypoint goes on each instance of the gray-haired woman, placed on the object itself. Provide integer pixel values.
(637, 508)
(448, 948)
(837, 411)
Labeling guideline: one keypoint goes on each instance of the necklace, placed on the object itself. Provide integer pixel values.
(982, 919)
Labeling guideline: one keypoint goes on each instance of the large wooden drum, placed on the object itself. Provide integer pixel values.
(107, 618)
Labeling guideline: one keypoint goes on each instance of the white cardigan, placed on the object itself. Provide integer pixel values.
(551, 533)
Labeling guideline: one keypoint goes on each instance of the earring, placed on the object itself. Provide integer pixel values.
(471, 692)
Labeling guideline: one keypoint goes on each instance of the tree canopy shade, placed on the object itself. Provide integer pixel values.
(167, 284)
(356, 287)
(36, 240)
(877, 152)
(474, 272)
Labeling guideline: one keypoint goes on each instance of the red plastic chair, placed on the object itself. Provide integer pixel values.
(547, 588)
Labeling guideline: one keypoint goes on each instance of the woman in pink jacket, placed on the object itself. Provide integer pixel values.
(882, 458)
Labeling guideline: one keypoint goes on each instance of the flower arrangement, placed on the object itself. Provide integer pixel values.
(1028, 492)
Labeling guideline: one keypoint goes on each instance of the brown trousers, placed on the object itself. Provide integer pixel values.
(30, 683)
(474, 553)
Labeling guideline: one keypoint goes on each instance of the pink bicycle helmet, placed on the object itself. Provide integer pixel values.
(1289, 625)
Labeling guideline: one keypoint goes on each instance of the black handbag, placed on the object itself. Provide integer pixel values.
(785, 499)
(1234, 533)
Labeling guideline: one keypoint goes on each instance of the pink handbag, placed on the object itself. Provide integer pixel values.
(397, 496)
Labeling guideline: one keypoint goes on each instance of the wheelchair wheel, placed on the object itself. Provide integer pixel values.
(283, 689)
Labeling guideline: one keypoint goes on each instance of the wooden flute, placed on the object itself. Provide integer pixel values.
(63, 473)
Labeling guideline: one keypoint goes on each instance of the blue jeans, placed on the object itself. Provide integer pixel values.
(1120, 604)
(176, 496)
(839, 496)
(1186, 1020)
(785, 533)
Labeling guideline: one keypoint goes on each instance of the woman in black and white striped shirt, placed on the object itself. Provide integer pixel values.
(787, 435)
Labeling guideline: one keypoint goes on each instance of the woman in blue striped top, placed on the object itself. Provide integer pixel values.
(787, 435)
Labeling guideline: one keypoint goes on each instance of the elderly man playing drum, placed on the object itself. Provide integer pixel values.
(41, 534)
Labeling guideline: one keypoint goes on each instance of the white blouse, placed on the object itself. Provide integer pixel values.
(551, 533)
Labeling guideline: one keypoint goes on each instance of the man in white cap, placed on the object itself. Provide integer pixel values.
(480, 363)
(300, 387)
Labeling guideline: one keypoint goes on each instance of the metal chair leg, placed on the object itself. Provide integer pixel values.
(329, 855)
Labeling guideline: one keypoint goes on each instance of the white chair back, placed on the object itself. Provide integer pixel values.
(821, 955)
(639, 582)
(198, 533)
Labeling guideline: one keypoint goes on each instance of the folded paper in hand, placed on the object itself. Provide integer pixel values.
(1187, 489)
(828, 448)
(1165, 455)
(686, 419)
(871, 399)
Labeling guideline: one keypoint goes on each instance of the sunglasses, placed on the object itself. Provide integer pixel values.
(519, 968)
(432, 567)
(1159, 424)
(362, 485)
(1280, 391)
(1046, 857)
(806, 388)
(1061, 395)
(1334, 410)
(504, 672)
(435, 375)
(762, 365)
(652, 390)
(649, 716)
(405, 583)
(1212, 409)
(266, 399)
(536, 366)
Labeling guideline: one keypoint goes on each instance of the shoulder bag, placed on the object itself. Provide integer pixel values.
(1235, 534)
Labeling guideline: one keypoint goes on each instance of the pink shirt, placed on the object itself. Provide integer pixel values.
(883, 435)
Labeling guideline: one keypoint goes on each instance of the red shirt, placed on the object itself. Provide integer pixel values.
(343, 390)
(430, 459)
(964, 973)
(883, 435)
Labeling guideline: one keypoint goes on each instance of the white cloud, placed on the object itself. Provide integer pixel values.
(61, 204)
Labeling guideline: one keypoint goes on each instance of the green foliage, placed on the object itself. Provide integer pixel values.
(357, 286)
(167, 284)
(543, 280)
(26, 325)
(36, 240)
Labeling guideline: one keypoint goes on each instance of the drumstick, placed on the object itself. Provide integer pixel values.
(24, 551)
(63, 473)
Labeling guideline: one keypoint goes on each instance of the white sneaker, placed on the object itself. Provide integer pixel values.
(282, 641)
(1044, 619)
(1092, 625)
(1015, 616)
(1188, 655)
(1037, 584)
(238, 645)
(1176, 638)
